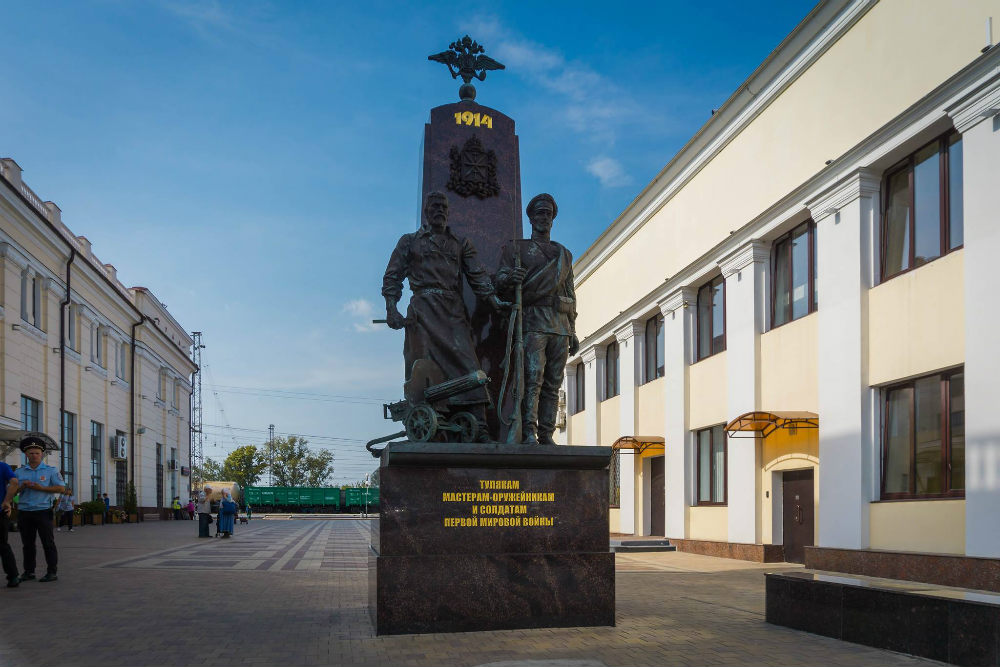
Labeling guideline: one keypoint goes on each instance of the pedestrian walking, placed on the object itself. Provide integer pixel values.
(66, 508)
(38, 482)
(107, 509)
(227, 515)
(176, 507)
(190, 508)
(8, 486)
(204, 511)
(249, 511)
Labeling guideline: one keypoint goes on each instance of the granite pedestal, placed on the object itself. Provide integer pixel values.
(490, 537)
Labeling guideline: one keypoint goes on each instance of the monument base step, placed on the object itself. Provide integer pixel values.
(636, 546)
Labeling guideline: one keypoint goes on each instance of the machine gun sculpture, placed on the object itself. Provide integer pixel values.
(426, 412)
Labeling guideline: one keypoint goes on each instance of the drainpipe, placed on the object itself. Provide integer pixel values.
(62, 357)
(131, 406)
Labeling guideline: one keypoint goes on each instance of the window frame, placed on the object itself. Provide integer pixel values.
(810, 225)
(580, 389)
(67, 452)
(908, 164)
(720, 279)
(654, 355)
(612, 380)
(725, 468)
(945, 389)
(96, 464)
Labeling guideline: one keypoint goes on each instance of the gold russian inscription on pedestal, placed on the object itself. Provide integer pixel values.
(498, 503)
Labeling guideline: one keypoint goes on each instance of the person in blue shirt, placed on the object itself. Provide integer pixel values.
(38, 483)
(8, 486)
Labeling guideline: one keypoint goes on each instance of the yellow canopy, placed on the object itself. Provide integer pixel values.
(766, 423)
(640, 443)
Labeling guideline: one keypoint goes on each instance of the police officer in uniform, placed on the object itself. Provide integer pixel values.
(8, 487)
(39, 483)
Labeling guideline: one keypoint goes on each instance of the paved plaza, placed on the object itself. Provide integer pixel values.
(295, 593)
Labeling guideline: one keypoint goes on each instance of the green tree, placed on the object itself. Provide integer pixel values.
(244, 465)
(211, 470)
(293, 463)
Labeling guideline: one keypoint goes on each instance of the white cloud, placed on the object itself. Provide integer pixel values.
(593, 104)
(609, 172)
(364, 311)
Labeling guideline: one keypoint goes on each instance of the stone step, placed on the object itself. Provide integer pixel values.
(635, 546)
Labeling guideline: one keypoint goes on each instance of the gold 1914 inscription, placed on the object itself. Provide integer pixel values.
(498, 503)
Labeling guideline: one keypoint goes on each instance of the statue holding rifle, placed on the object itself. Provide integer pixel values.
(542, 271)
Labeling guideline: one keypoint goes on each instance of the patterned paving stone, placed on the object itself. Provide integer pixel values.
(295, 593)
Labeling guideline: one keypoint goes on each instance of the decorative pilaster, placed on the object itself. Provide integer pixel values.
(747, 293)
(678, 335)
(592, 357)
(630, 351)
(846, 218)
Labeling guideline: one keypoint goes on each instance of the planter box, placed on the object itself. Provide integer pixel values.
(77, 519)
(97, 519)
(133, 518)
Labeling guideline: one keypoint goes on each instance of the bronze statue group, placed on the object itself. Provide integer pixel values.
(533, 287)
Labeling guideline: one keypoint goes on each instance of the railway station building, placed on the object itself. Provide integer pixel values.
(102, 368)
(790, 335)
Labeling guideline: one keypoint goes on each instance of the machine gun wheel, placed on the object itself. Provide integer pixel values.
(421, 423)
(467, 426)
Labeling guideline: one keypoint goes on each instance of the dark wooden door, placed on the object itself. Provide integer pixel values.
(798, 513)
(657, 509)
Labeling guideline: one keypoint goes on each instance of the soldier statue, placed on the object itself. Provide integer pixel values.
(544, 271)
(435, 262)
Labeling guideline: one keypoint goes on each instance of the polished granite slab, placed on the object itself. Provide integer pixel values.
(959, 626)
(489, 537)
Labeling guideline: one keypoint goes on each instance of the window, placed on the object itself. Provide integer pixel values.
(67, 454)
(96, 443)
(31, 298)
(121, 482)
(31, 418)
(711, 443)
(173, 473)
(159, 475)
(99, 342)
(121, 365)
(712, 318)
(793, 266)
(611, 368)
(922, 206)
(614, 498)
(71, 327)
(581, 379)
(923, 443)
(654, 348)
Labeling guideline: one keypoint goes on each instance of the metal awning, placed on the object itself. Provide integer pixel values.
(639, 443)
(10, 440)
(766, 423)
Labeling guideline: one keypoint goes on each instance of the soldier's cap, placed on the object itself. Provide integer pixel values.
(545, 196)
(29, 441)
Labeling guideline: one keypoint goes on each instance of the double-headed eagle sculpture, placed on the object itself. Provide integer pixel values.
(465, 59)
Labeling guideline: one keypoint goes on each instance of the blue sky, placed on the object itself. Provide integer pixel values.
(253, 163)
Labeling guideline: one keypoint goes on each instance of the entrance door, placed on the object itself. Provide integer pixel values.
(657, 511)
(797, 513)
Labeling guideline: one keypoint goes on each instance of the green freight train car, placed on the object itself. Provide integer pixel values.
(359, 497)
(304, 499)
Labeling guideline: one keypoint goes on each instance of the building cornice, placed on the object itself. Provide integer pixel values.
(977, 107)
(679, 298)
(749, 253)
(590, 353)
(862, 183)
(631, 329)
(683, 167)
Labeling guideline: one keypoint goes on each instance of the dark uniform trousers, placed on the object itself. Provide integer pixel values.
(38, 523)
(6, 554)
(544, 365)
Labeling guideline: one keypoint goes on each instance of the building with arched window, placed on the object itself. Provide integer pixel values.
(102, 368)
(799, 304)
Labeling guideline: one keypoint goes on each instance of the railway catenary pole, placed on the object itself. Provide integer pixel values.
(197, 430)
(270, 455)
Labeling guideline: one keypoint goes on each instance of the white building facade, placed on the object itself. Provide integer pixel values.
(788, 335)
(101, 368)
